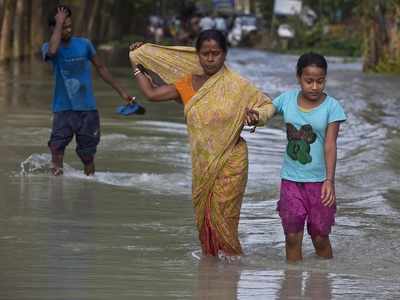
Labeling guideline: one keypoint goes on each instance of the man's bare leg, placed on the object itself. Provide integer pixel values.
(89, 169)
(57, 164)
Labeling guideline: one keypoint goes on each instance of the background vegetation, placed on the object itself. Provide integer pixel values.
(368, 28)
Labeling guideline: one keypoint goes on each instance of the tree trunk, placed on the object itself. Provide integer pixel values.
(37, 26)
(93, 16)
(81, 20)
(7, 30)
(18, 40)
(114, 28)
(382, 38)
(105, 16)
(26, 28)
(1, 11)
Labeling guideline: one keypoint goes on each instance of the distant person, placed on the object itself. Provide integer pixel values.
(217, 104)
(194, 27)
(312, 121)
(156, 28)
(74, 105)
(221, 25)
(206, 23)
(159, 34)
(175, 27)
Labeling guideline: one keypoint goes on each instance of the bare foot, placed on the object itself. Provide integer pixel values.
(56, 171)
(57, 164)
(89, 169)
(230, 259)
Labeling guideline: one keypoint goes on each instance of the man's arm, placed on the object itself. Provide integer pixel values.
(55, 38)
(106, 76)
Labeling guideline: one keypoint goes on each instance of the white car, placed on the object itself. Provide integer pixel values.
(285, 31)
(243, 26)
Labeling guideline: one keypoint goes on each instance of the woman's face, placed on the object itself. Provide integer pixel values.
(211, 57)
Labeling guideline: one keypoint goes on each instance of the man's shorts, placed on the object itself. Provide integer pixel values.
(85, 125)
(300, 202)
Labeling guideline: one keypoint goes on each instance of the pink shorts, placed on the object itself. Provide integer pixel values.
(300, 201)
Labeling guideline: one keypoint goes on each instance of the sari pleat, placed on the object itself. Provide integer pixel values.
(214, 118)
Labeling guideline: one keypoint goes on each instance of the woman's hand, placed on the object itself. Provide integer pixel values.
(328, 196)
(135, 45)
(252, 117)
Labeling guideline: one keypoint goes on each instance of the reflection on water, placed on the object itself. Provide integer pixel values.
(217, 280)
(306, 285)
(128, 232)
(222, 281)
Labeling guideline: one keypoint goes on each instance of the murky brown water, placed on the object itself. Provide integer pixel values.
(128, 233)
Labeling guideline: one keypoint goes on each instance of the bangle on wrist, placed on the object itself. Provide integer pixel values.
(136, 71)
(329, 179)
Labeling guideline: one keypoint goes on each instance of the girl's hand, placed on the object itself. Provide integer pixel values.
(328, 196)
(135, 45)
(252, 117)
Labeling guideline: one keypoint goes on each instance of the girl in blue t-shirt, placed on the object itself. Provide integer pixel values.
(312, 121)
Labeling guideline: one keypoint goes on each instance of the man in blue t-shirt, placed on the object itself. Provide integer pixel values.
(74, 105)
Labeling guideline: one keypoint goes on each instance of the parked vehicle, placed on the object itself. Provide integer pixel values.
(244, 27)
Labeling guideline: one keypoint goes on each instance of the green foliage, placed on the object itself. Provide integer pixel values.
(333, 10)
(327, 39)
(266, 9)
(388, 66)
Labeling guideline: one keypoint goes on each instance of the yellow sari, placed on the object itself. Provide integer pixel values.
(214, 118)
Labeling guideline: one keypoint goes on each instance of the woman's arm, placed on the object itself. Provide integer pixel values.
(261, 109)
(154, 93)
(150, 91)
(328, 195)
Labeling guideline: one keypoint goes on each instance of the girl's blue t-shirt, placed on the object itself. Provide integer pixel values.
(73, 78)
(304, 159)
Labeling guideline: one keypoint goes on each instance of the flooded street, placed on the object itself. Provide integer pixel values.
(129, 233)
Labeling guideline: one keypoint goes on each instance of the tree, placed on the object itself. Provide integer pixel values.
(38, 25)
(7, 29)
(381, 35)
(19, 26)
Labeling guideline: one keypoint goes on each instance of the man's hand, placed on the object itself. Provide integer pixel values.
(61, 15)
(124, 95)
(128, 98)
(328, 196)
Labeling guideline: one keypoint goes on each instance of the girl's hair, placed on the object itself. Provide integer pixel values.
(311, 59)
(52, 19)
(212, 34)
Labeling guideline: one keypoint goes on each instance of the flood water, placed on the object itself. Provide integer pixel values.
(129, 233)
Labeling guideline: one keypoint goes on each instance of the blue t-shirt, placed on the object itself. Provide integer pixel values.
(72, 70)
(304, 159)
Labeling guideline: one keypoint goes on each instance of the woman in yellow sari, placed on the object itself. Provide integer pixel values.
(217, 104)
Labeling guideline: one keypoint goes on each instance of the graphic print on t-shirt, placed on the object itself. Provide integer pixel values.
(71, 70)
(298, 147)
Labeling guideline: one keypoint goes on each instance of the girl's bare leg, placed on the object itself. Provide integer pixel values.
(294, 243)
(322, 246)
